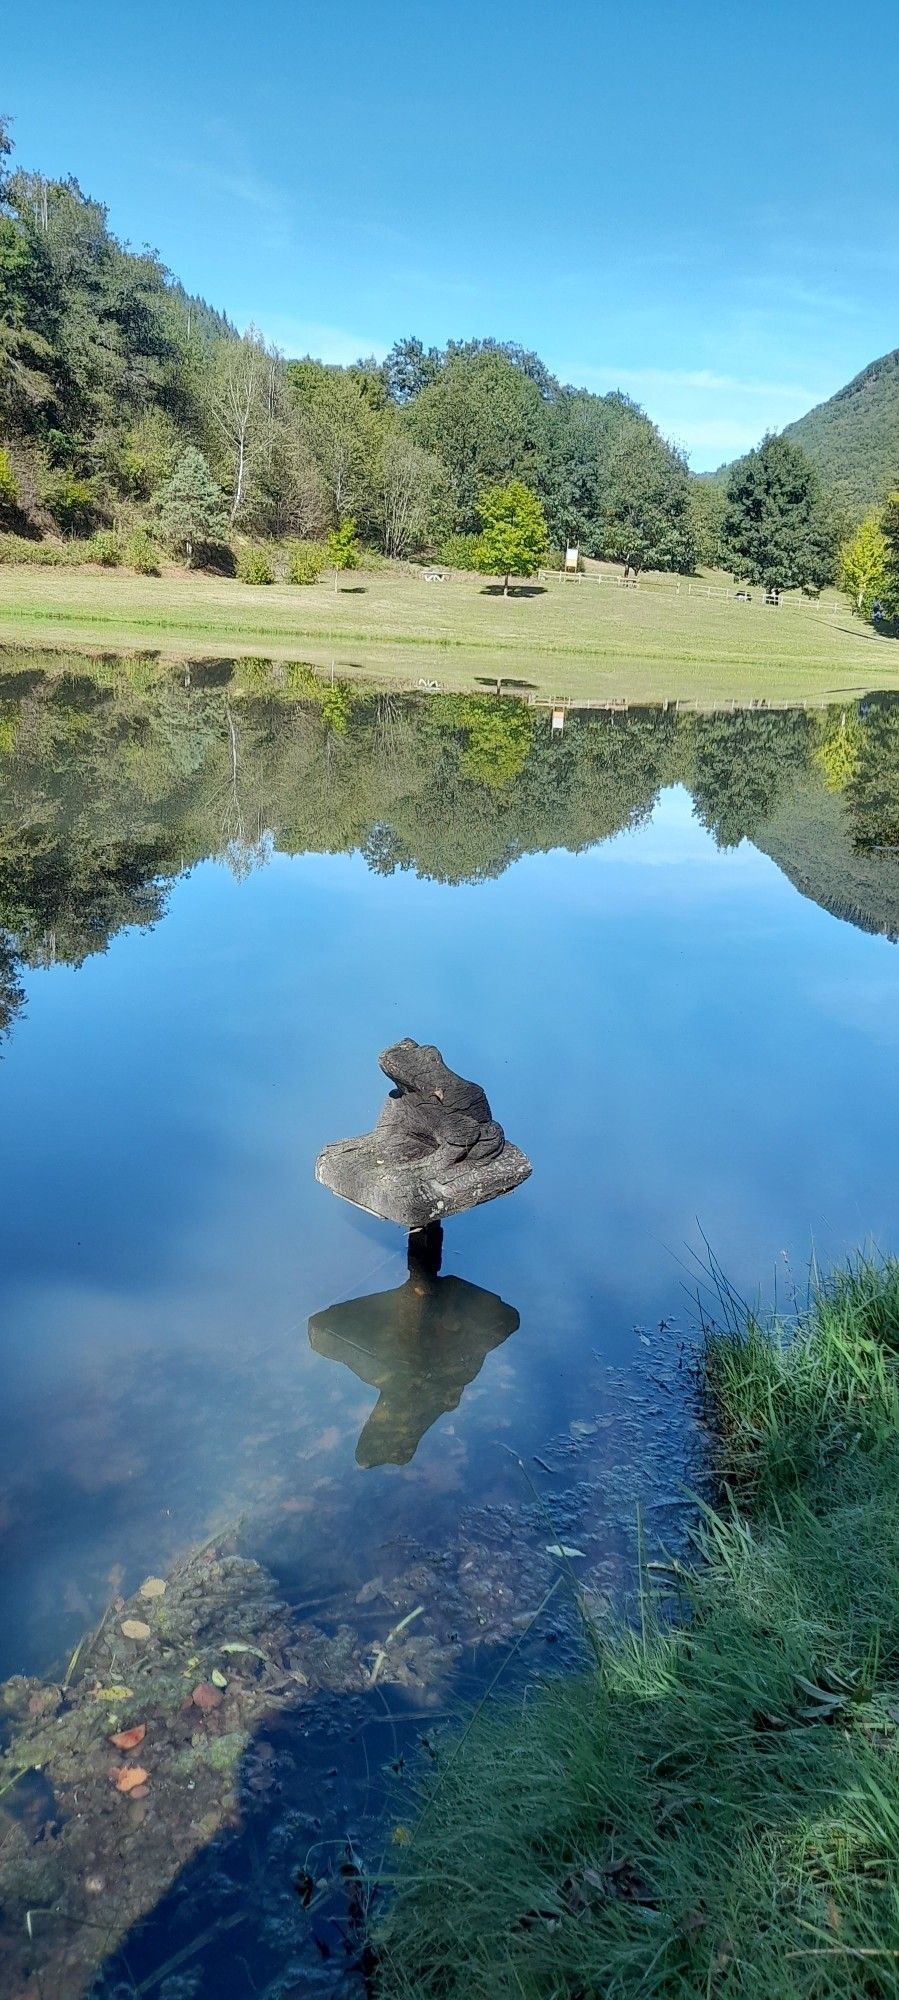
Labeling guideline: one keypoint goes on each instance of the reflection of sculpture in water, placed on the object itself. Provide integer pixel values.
(419, 1345)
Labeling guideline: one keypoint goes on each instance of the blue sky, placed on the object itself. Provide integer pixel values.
(697, 203)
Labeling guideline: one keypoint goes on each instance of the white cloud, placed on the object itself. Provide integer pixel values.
(704, 379)
(296, 337)
(712, 414)
(729, 385)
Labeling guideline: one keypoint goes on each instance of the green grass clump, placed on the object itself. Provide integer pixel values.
(713, 1810)
(254, 565)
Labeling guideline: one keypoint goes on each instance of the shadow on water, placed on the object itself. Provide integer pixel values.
(277, 1905)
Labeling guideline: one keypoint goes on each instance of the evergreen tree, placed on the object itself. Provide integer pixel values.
(777, 530)
(889, 521)
(191, 506)
(408, 369)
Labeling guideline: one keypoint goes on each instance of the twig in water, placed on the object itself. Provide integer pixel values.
(381, 1654)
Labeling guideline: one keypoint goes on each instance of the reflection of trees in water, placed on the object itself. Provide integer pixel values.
(740, 766)
(115, 780)
(873, 790)
(11, 990)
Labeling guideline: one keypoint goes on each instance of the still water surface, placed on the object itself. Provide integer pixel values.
(664, 945)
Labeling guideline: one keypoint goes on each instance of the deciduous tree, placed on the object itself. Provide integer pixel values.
(342, 427)
(514, 540)
(863, 565)
(241, 395)
(648, 521)
(486, 419)
(413, 492)
(343, 548)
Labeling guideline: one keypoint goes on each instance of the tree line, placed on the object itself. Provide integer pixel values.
(110, 373)
(135, 414)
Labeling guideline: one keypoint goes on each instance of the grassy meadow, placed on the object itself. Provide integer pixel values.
(712, 1811)
(585, 640)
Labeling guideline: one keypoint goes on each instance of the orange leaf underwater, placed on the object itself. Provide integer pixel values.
(128, 1739)
(130, 1776)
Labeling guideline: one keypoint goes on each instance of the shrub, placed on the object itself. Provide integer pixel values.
(46, 555)
(9, 488)
(104, 547)
(141, 553)
(71, 502)
(459, 551)
(254, 565)
(305, 561)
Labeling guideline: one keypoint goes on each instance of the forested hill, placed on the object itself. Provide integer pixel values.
(854, 438)
(109, 371)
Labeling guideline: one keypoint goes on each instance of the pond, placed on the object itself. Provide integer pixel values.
(665, 943)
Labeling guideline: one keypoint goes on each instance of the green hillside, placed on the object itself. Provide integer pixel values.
(853, 438)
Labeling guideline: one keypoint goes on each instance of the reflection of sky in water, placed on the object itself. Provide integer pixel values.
(675, 1036)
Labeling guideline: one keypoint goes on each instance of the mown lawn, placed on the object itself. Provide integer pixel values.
(588, 640)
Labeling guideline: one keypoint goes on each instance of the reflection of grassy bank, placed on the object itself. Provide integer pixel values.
(589, 641)
(715, 1809)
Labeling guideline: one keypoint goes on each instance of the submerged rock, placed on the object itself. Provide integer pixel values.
(435, 1150)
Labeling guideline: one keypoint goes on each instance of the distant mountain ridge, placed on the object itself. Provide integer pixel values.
(853, 438)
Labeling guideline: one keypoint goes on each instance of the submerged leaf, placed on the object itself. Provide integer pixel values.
(206, 1696)
(128, 1739)
(134, 1628)
(129, 1777)
(562, 1549)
